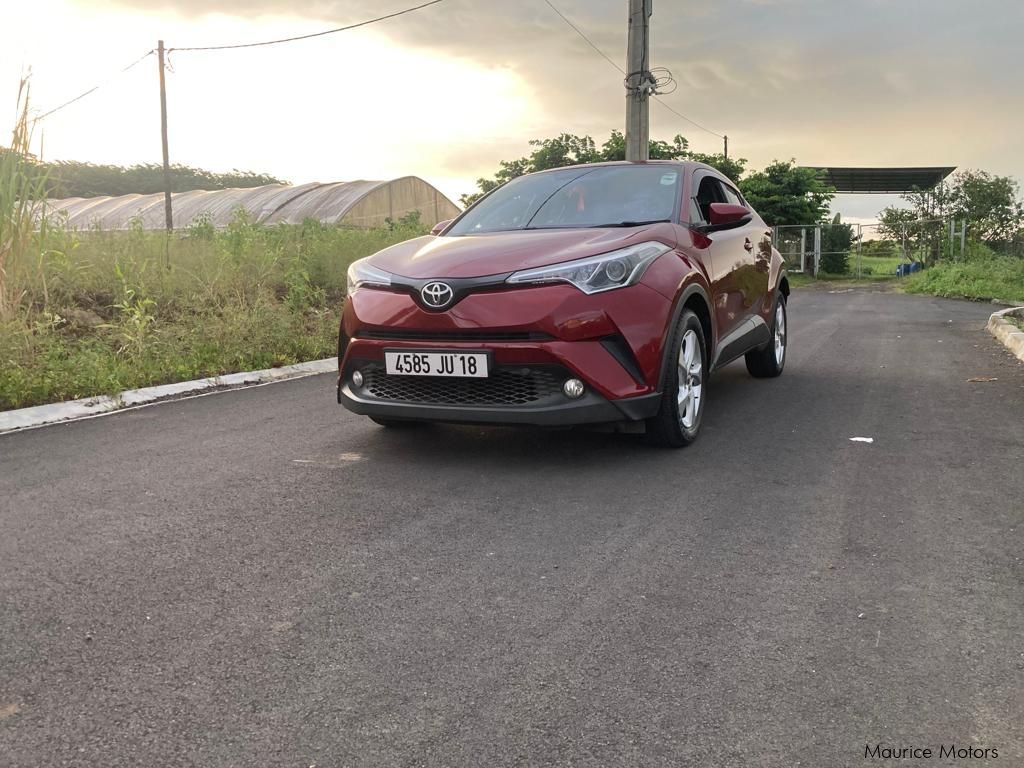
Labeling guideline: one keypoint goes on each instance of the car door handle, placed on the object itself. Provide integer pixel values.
(748, 245)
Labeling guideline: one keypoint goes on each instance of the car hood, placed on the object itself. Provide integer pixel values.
(499, 252)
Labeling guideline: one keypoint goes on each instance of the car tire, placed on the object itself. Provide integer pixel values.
(768, 361)
(684, 390)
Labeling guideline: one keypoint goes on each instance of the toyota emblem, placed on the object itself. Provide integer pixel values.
(437, 295)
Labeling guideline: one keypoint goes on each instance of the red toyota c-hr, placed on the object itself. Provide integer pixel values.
(589, 294)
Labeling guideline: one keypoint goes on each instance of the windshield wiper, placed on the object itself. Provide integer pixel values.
(629, 223)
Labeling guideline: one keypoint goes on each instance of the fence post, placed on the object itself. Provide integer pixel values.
(860, 241)
(817, 250)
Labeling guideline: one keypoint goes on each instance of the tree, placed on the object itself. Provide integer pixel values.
(897, 223)
(568, 149)
(66, 178)
(730, 167)
(785, 194)
(988, 203)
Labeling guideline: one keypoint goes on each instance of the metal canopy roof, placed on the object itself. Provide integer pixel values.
(882, 180)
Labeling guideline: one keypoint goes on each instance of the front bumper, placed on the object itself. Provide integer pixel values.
(589, 409)
(611, 343)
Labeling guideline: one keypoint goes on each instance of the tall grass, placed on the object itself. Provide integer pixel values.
(982, 276)
(99, 311)
(22, 196)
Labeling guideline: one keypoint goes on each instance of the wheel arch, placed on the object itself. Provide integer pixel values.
(694, 297)
(784, 285)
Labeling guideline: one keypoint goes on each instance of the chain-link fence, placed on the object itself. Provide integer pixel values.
(816, 248)
(871, 250)
(792, 244)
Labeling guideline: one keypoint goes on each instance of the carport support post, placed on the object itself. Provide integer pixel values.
(638, 103)
(168, 215)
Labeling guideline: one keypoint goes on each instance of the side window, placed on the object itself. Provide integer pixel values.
(732, 196)
(695, 215)
(710, 191)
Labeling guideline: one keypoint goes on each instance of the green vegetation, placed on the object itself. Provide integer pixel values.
(568, 149)
(836, 242)
(983, 276)
(875, 266)
(22, 193)
(785, 194)
(66, 178)
(75, 179)
(782, 193)
(988, 203)
(95, 313)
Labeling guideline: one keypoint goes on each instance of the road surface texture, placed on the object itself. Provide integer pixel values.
(258, 578)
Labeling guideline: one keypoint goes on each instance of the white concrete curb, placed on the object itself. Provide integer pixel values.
(40, 415)
(1008, 333)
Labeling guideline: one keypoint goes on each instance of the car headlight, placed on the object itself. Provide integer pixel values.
(595, 274)
(361, 274)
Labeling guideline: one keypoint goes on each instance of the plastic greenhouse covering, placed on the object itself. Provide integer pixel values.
(353, 203)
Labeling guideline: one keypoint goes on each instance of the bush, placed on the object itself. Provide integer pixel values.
(835, 263)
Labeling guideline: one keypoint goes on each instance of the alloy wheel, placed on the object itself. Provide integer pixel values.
(690, 372)
(780, 332)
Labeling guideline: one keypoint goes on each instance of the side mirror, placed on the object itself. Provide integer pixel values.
(438, 228)
(727, 215)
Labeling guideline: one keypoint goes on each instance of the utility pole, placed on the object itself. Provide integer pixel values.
(725, 152)
(638, 81)
(168, 216)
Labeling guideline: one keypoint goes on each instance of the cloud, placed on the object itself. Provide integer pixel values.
(863, 81)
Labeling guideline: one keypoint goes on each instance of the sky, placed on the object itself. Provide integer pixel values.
(447, 92)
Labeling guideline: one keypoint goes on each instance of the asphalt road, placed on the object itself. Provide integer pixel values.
(258, 578)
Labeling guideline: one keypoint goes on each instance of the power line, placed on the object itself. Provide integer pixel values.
(679, 114)
(306, 37)
(623, 72)
(95, 87)
(587, 39)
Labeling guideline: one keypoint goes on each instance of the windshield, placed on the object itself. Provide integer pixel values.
(582, 196)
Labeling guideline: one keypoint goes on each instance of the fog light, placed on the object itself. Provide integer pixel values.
(357, 379)
(573, 388)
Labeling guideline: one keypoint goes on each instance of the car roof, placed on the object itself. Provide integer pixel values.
(684, 164)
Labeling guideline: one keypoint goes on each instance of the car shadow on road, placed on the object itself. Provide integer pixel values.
(442, 444)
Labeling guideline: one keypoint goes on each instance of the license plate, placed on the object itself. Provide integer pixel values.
(460, 364)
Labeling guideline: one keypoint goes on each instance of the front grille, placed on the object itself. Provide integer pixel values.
(461, 335)
(506, 386)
